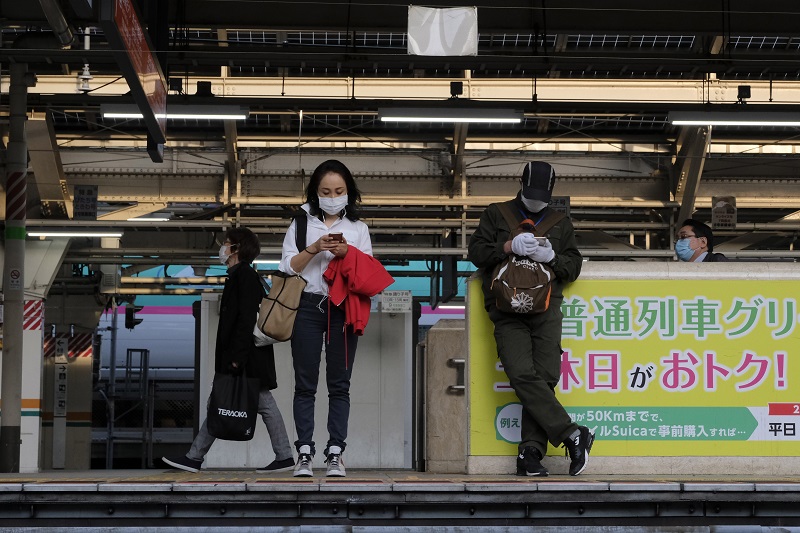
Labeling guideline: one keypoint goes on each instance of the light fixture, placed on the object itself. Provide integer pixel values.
(452, 307)
(743, 93)
(272, 262)
(449, 114)
(733, 118)
(178, 111)
(56, 233)
(148, 219)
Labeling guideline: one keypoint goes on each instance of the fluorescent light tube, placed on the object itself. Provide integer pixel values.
(450, 115)
(175, 112)
(43, 233)
(734, 118)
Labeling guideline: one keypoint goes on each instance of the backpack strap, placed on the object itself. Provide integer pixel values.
(508, 211)
(550, 219)
(301, 229)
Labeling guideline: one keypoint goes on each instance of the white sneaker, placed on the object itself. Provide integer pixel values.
(303, 467)
(335, 462)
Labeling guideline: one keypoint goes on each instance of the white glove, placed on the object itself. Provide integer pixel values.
(543, 253)
(524, 244)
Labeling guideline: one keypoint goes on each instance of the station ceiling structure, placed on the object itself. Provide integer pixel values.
(595, 85)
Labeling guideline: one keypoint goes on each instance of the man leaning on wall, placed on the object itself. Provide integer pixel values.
(529, 345)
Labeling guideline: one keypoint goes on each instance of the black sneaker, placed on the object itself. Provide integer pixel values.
(183, 463)
(528, 463)
(277, 466)
(578, 450)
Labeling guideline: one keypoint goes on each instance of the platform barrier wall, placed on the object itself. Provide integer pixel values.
(380, 429)
(674, 366)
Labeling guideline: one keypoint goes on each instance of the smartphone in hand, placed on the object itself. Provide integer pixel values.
(338, 237)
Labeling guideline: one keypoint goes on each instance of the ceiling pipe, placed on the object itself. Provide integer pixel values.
(58, 22)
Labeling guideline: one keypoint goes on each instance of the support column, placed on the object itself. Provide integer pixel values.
(31, 386)
(13, 270)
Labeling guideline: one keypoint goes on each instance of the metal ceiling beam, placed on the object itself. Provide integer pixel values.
(457, 164)
(126, 213)
(48, 173)
(294, 90)
(692, 147)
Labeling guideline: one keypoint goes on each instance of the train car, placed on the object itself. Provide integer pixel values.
(167, 332)
(149, 408)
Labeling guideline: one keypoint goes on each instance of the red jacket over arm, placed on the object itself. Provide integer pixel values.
(354, 279)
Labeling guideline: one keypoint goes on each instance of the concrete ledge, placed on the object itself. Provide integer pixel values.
(649, 466)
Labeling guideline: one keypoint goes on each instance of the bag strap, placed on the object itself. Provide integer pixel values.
(550, 219)
(264, 284)
(508, 213)
(301, 229)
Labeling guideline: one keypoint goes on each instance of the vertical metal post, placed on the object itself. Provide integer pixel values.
(13, 270)
(112, 393)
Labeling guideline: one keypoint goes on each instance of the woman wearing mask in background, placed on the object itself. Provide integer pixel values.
(334, 236)
(235, 350)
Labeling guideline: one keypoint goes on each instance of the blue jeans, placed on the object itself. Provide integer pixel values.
(315, 319)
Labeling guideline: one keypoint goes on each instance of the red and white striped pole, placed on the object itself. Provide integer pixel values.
(14, 270)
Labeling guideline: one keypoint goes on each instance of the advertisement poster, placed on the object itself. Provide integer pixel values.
(659, 368)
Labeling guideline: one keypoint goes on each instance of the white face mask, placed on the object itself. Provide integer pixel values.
(333, 206)
(534, 206)
(224, 254)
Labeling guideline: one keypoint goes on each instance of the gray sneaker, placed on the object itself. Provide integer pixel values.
(335, 462)
(303, 467)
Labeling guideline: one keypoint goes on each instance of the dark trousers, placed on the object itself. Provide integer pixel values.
(529, 346)
(319, 325)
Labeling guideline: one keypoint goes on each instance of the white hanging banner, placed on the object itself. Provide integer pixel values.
(443, 32)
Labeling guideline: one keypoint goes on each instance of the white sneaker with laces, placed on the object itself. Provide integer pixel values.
(303, 467)
(335, 462)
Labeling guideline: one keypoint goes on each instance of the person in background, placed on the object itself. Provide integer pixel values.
(236, 352)
(695, 243)
(529, 345)
(337, 244)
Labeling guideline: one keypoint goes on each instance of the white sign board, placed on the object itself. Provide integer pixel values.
(60, 405)
(561, 204)
(396, 301)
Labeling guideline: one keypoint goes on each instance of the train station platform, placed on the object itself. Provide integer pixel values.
(215, 500)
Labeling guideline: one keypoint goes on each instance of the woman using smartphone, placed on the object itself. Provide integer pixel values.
(332, 227)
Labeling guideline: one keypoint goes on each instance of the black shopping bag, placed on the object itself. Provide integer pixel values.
(233, 407)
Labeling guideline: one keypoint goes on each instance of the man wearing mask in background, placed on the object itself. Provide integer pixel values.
(695, 243)
(529, 345)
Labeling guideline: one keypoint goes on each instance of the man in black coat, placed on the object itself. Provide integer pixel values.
(236, 352)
